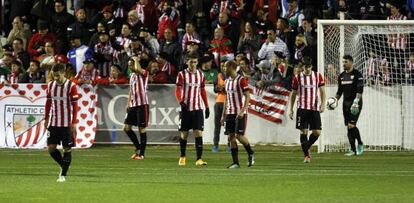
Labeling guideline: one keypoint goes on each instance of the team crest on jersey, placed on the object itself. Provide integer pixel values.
(24, 125)
(352, 77)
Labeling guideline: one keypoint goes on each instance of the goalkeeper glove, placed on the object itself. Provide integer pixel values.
(207, 112)
(355, 107)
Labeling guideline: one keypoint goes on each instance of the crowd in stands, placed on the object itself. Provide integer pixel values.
(267, 38)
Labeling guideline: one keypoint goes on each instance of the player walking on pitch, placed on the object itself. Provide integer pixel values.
(351, 85)
(137, 108)
(235, 112)
(306, 85)
(60, 116)
(189, 92)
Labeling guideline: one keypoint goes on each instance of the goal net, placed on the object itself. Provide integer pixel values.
(383, 52)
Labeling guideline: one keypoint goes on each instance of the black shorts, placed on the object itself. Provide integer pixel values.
(348, 116)
(60, 135)
(192, 120)
(308, 119)
(235, 125)
(137, 116)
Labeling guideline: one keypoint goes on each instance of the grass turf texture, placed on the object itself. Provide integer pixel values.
(107, 174)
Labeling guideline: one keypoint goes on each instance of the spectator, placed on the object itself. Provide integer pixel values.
(89, 74)
(286, 34)
(301, 49)
(5, 65)
(81, 28)
(192, 50)
(269, 8)
(210, 73)
(261, 23)
(221, 46)
(294, 15)
(19, 31)
(169, 19)
(267, 76)
(278, 62)
(150, 42)
(164, 62)
(123, 40)
(33, 74)
(245, 69)
(156, 75)
(16, 72)
(272, 44)
(397, 43)
(219, 89)
(60, 21)
(190, 35)
(331, 77)
(6, 49)
(19, 53)
(79, 53)
(100, 27)
(115, 77)
(249, 43)
(231, 29)
(104, 53)
(171, 47)
(147, 14)
(36, 46)
(409, 70)
(107, 18)
(133, 21)
(47, 60)
(228, 6)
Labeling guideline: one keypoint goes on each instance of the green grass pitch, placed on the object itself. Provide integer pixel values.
(107, 174)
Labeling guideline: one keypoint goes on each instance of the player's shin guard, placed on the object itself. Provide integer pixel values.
(235, 155)
(303, 143)
(183, 146)
(199, 147)
(67, 159)
(143, 137)
(312, 140)
(357, 135)
(351, 139)
(57, 156)
(134, 140)
(248, 149)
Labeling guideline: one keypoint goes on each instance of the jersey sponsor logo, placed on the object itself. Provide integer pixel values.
(309, 86)
(193, 84)
(346, 82)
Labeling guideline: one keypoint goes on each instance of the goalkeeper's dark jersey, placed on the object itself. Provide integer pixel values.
(350, 84)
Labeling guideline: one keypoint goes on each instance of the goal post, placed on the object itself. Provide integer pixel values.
(381, 50)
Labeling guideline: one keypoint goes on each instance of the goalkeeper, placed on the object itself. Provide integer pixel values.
(351, 85)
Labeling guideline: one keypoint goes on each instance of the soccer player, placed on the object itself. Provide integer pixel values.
(190, 92)
(60, 114)
(235, 113)
(306, 85)
(351, 85)
(137, 107)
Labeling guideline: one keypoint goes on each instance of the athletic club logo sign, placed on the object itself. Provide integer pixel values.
(22, 113)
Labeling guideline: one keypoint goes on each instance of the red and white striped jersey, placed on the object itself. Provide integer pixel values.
(397, 41)
(191, 84)
(308, 88)
(138, 89)
(61, 103)
(13, 78)
(234, 94)
(84, 74)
